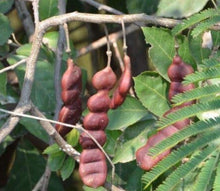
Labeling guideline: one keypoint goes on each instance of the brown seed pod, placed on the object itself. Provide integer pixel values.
(104, 79)
(178, 69)
(93, 168)
(117, 99)
(71, 84)
(146, 161)
(176, 72)
(95, 121)
(70, 96)
(125, 80)
(124, 85)
(178, 87)
(72, 77)
(99, 102)
(88, 143)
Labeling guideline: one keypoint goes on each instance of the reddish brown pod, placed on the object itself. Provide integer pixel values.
(176, 72)
(179, 69)
(144, 160)
(103, 100)
(72, 77)
(104, 79)
(93, 167)
(124, 85)
(71, 84)
(88, 143)
(95, 121)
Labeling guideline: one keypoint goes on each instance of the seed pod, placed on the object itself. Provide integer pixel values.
(104, 79)
(99, 102)
(93, 168)
(95, 121)
(88, 143)
(117, 99)
(72, 77)
(71, 84)
(125, 81)
(146, 161)
(178, 69)
(176, 72)
(124, 85)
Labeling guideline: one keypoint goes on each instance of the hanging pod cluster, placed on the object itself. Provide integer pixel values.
(92, 167)
(176, 73)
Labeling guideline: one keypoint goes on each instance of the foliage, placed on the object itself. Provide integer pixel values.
(138, 118)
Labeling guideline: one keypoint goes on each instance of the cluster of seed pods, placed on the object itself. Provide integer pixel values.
(71, 84)
(176, 72)
(93, 168)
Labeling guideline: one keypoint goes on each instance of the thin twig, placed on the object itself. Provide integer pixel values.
(12, 67)
(12, 121)
(41, 183)
(108, 52)
(35, 5)
(65, 26)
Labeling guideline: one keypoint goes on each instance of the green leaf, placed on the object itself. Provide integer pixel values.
(51, 39)
(162, 49)
(132, 139)
(189, 111)
(196, 18)
(205, 25)
(142, 6)
(3, 80)
(204, 176)
(193, 129)
(210, 73)
(52, 149)
(48, 8)
(27, 169)
(55, 160)
(35, 129)
(151, 91)
(184, 169)
(127, 114)
(67, 168)
(179, 8)
(86, 188)
(72, 137)
(196, 94)
(216, 186)
(197, 51)
(112, 141)
(42, 95)
(6, 29)
(5, 5)
(177, 155)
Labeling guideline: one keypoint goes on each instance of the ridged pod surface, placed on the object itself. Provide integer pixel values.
(92, 167)
(71, 84)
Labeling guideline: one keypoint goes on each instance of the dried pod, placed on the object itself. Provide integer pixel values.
(178, 69)
(104, 79)
(95, 121)
(72, 77)
(178, 87)
(93, 168)
(88, 143)
(99, 102)
(125, 80)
